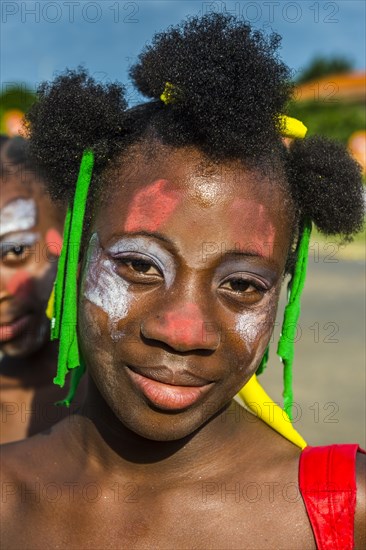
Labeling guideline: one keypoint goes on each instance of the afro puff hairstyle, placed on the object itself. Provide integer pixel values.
(230, 88)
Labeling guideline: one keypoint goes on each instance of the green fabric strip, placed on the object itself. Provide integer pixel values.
(286, 342)
(76, 375)
(67, 319)
(60, 279)
(263, 363)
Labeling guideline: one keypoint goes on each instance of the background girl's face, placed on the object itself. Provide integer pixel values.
(180, 287)
(30, 241)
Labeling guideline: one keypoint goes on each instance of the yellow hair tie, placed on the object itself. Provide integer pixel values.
(291, 127)
(169, 93)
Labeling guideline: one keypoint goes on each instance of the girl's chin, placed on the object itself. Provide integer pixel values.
(157, 425)
(25, 345)
(165, 435)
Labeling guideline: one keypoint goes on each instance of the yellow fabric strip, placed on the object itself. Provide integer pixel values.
(51, 304)
(259, 402)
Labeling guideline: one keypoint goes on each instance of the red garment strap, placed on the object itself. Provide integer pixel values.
(327, 480)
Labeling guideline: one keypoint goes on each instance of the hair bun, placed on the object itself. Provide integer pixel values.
(72, 113)
(229, 81)
(326, 184)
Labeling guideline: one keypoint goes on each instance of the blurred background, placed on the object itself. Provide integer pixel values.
(324, 44)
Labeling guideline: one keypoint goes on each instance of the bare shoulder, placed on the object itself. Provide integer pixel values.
(10, 476)
(21, 459)
(266, 477)
(360, 525)
(16, 465)
(16, 471)
(25, 467)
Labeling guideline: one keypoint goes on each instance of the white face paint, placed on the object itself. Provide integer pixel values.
(103, 287)
(18, 215)
(248, 329)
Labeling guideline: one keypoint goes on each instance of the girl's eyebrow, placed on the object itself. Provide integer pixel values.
(143, 233)
(261, 260)
(243, 253)
(18, 234)
(17, 239)
(236, 255)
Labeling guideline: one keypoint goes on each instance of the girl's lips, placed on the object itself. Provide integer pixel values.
(166, 396)
(9, 331)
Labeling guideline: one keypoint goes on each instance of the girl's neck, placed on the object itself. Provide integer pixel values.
(107, 443)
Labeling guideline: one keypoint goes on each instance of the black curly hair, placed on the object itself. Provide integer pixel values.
(14, 153)
(229, 88)
(15, 160)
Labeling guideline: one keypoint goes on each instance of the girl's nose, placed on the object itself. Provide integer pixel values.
(183, 328)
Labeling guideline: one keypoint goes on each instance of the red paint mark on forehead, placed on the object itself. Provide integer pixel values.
(53, 242)
(184, 325)
(151, 207)
(20, 284)
(252, 225)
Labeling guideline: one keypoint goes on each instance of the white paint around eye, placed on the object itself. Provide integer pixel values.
(145, 245)
(19, 239)
(103, 287)
(22, 238)
(18, 215)
(248, 326)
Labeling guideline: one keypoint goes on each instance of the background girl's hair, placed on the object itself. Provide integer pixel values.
(14, 151)
(230, 87)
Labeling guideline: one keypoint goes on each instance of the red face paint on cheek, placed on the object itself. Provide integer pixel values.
(151, 207)
(21, 284)
(252, 226)
(53, 242)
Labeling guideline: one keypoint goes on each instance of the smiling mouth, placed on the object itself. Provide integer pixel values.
(10, 331)
(170, 395)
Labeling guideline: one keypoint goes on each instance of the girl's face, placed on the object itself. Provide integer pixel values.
(179, 288)
(30, 243)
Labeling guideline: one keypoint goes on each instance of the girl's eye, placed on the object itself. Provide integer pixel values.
(137, 269)
(240, 285)
(18, 250)
(244, 290)
(16, 254)
(140, 266)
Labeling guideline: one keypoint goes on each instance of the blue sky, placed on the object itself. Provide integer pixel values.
(41, 38)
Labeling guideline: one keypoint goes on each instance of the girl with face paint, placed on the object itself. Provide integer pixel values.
(30, 243)
(195, 213)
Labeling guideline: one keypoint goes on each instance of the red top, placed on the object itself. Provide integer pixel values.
(327, 480)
